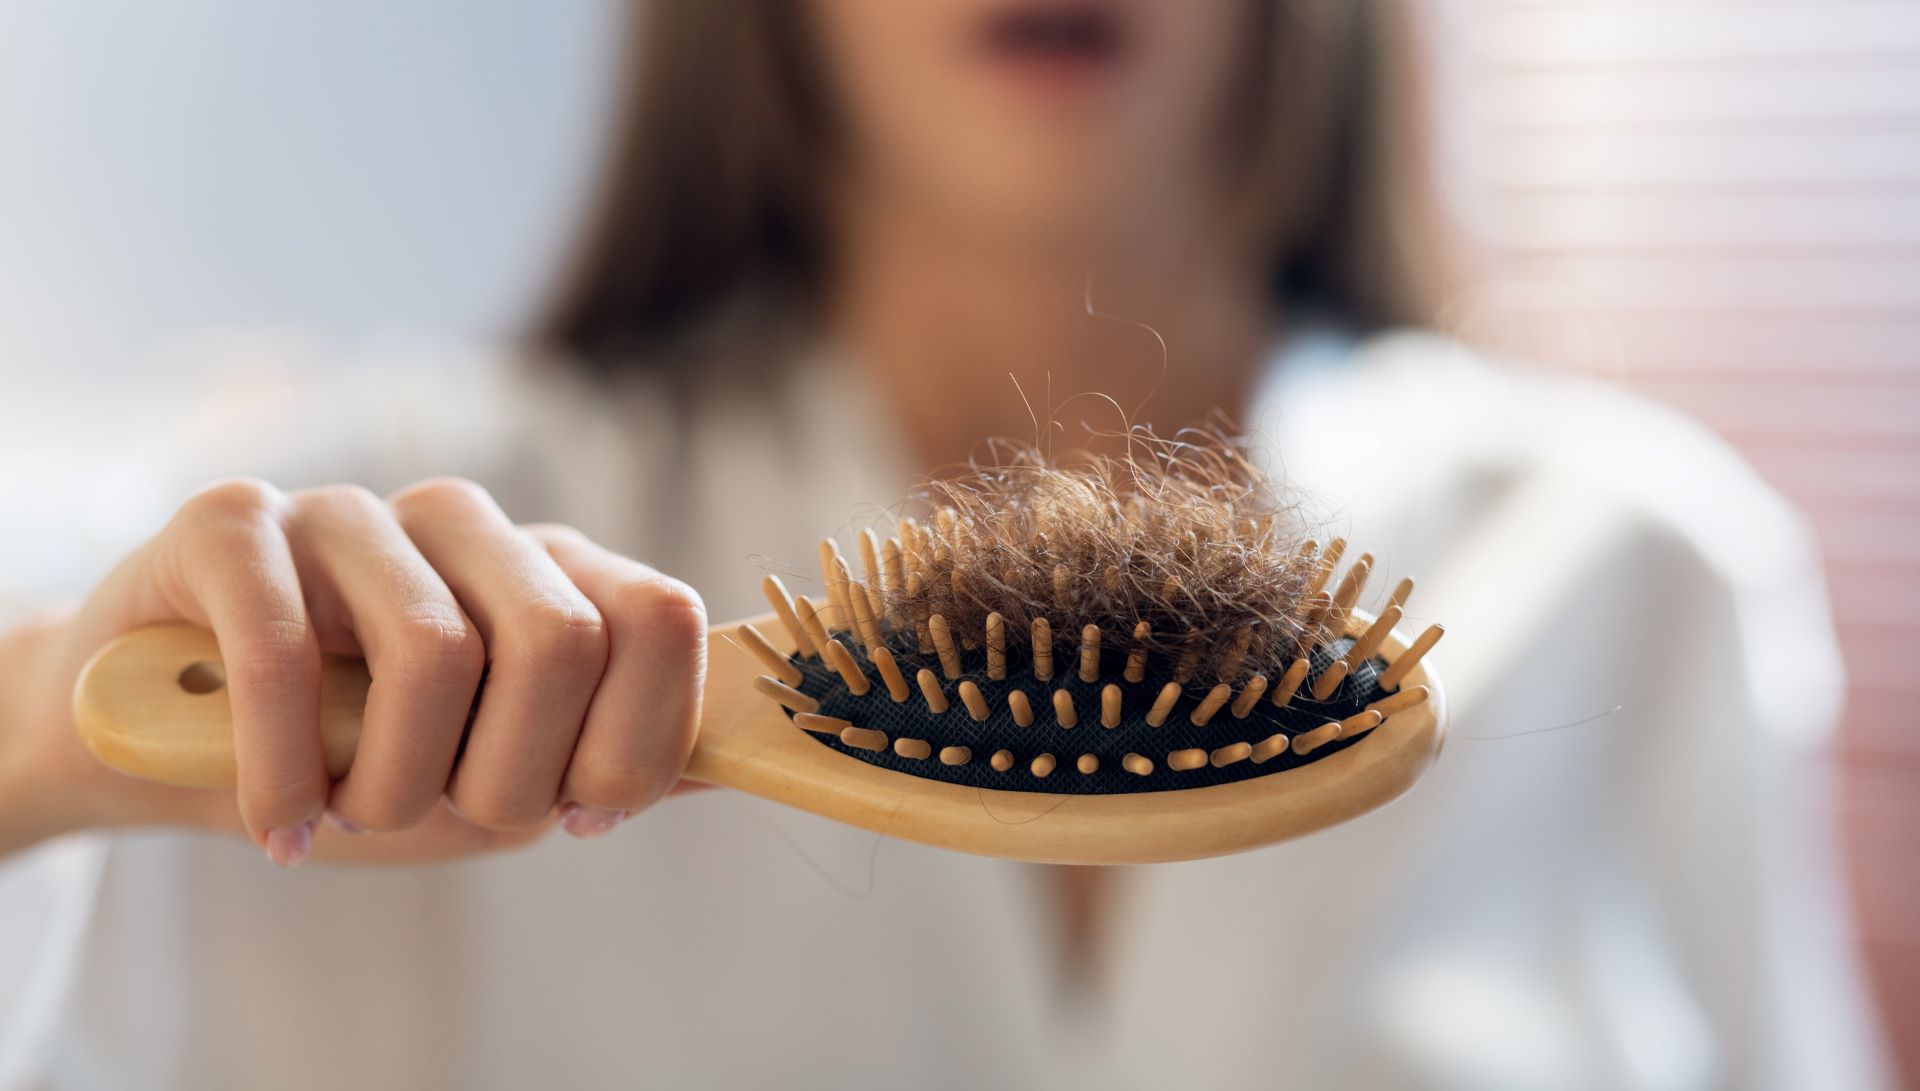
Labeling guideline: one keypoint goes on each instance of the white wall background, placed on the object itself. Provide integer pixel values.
(356, 170)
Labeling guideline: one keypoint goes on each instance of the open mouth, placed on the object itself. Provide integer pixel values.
(1057, 37)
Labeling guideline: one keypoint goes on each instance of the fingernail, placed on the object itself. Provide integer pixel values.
(342, 824)
(587, 822)
(288, 845)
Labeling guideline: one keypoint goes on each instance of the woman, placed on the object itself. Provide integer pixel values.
(843, 243)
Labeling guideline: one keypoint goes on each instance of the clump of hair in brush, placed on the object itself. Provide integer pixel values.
(1056, 616)
(1183, 536)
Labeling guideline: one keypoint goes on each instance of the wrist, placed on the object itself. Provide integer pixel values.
(40, 796)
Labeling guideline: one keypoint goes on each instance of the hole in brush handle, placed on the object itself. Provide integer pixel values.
(202, 677)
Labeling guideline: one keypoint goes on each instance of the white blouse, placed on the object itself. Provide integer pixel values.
(1644, 900)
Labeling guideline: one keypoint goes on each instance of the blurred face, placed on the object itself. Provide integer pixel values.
(1053, 121)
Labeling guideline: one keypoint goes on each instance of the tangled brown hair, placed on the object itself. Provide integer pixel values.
(1184, 535)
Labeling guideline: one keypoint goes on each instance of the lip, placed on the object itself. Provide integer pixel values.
(1059, 45)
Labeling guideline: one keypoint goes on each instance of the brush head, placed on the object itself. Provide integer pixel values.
(1105, 730)
(1160, 623)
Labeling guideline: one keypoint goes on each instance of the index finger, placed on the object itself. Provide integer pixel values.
(236, 564)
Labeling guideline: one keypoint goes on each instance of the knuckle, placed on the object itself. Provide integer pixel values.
(337, 499)
(279, 660)
(663, 606)
(505, 809)
(439, 649)
(268, 798)
(568, 636)
(442, 494)
(624, 788)
(554, 533)
(389, 812)
(280, 793)
(234, 499)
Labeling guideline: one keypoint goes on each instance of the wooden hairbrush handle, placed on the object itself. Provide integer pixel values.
(152, 703)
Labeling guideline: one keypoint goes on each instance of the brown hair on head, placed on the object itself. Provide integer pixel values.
(707, 223)
(1184, 534)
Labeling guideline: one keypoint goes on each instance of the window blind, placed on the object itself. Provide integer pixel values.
(1722, 199)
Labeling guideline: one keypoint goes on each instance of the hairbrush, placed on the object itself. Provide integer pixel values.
(1130, 661)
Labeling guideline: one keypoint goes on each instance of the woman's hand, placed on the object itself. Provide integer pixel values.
(593, 666)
